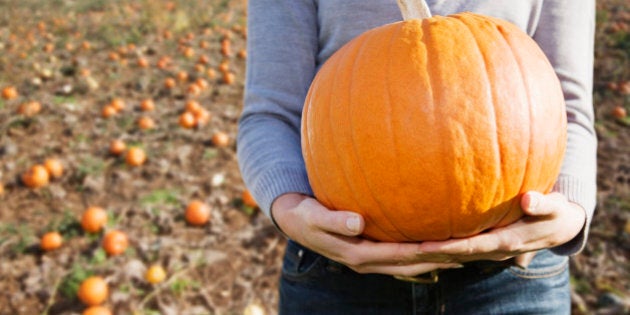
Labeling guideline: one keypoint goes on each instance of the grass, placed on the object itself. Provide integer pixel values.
(180, 285)
(90, 165)
(210, 153)
(25, 238)
(161, 196)
(67, 225)
(58, 99)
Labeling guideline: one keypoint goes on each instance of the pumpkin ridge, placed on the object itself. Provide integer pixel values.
(334, 144)
(313, 177)
(390, 106)
(380, 208)
(526, 169)
(515, 210)
(545, 173)
(472, 25)
(432, 73)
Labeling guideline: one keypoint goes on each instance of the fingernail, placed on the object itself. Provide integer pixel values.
(533, 203)
(456, 266)
(353, 224)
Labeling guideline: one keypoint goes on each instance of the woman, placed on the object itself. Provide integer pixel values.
(328, 268)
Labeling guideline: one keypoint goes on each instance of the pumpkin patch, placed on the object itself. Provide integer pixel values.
(60, 79)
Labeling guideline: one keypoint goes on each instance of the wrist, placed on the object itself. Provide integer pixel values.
(281, 207)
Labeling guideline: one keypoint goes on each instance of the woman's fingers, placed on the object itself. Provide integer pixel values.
(407, 270)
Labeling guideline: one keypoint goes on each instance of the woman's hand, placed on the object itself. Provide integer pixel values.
(334, 234)
(550, 220)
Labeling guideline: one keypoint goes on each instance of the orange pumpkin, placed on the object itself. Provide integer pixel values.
(197, 213)
(228, 77)
(9, 93)
(202, 117)
(37, 176)
(187, 120)
(248, 199)
(97, 310)
(30, 108)
(147, 105)
(108, 111)
(115, 242)
(155, 274)
(169, 83)
(51, 241)
(434, 127)
(145, 123)
(93, 291)
(117, 147)
(118, 104)
(220, 139)
(93, 219)
(619, 112)
(54, 167)
(135, 156)
(143, 62)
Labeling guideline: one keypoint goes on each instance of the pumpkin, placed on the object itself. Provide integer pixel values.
(97, 310)
(155, 274)
(619, 112)
(220, 139)
(434, 127)
(51, 241)
(135, 156)
(30, 108)
(54, 167)
(115, 242)
(37, 176)
(117, 147)
(147, 105)
(93, 219)
(9, 93)
(187, 120)
(197, 213)
(93, 291)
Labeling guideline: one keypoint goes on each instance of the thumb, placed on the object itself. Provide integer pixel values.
(536, 204)
(339, 222)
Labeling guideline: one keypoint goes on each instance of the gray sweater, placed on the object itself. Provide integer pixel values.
(288, 40)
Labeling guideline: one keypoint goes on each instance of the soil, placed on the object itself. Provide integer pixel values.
(75, 57)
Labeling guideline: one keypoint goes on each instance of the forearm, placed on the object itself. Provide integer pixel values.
(282, 47)
(270, 159)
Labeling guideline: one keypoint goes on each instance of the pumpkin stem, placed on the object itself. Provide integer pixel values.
(414, 9)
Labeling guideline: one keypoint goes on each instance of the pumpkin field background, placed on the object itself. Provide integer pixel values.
(63, 62)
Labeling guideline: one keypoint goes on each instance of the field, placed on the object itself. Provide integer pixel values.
(82, 71)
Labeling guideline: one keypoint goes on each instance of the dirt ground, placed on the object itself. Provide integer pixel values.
(75, 57)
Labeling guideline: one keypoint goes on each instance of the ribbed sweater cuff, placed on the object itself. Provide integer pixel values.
(576, 192)
(277, 182)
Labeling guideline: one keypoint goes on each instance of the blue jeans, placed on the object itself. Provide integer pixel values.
(313, 284)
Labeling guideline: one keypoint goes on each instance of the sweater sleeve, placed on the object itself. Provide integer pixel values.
(566, 34)
(282, 48)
